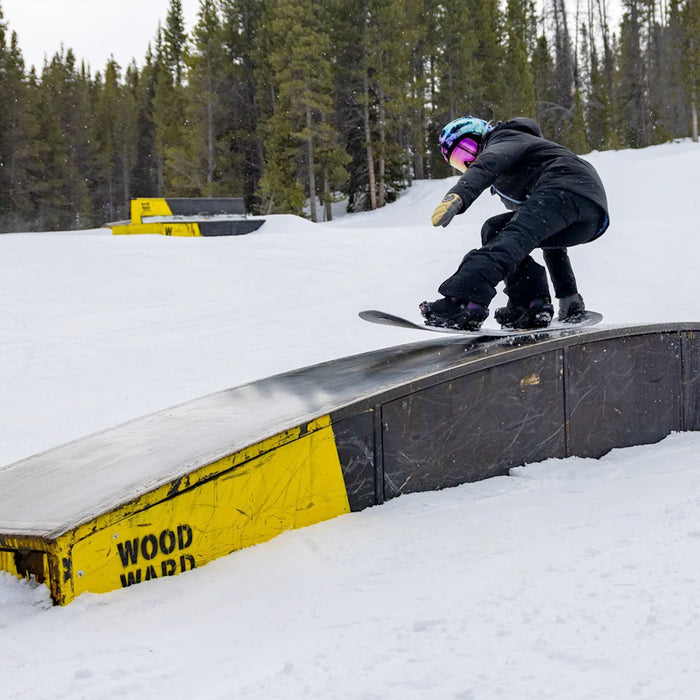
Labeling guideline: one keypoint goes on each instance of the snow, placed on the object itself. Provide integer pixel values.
(571, 578)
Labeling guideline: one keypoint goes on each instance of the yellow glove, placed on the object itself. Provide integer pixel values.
(450, 206)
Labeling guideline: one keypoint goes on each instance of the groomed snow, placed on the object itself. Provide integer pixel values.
(569, 579)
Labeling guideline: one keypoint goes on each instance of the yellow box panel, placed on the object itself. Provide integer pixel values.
(34, 564)
(159, 228)
(130, 229)
(7, 563)
(180, 229)
(148, 206)
(297, 484)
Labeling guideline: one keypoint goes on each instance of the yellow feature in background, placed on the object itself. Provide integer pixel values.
(148, 207)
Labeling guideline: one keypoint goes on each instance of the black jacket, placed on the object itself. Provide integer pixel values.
(516, 161)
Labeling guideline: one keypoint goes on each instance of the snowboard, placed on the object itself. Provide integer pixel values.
(587, 318)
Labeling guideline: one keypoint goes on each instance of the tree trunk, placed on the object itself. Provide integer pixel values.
(211, 160)
(418, 131)
(327, 196)
(160, 176)
(381, 200)
(368, 147)
(311, 166)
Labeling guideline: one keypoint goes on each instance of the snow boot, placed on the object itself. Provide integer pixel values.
(571, 308)
(538, 314)
(449, 312)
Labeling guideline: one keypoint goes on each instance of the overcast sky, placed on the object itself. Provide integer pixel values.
(94, 29)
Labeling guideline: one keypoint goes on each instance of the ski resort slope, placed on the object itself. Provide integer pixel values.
(571, 578)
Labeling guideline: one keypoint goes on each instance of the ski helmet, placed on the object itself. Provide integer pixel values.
(460, 140)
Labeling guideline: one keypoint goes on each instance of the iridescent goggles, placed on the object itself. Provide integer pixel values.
(463, 154)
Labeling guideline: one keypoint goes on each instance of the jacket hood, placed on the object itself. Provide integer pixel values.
(525, 124)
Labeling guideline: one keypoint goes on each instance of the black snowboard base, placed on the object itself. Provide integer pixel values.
(587, 318)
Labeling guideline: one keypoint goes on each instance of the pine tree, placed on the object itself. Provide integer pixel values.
(17, 130)
(196, 162)
(470, 66)
(246, 83)
(300, 60)
(545, 88)
(598, 107)
(169, 103)
(116, 144)
(564, 74)
(64, 115)
(594, 86)
(519, 99)
(392, 35)
(175, 42)
(456, 73)
(455, 64)
(421, 17)
(608, 75)
(433, 114)
(691, 62)
(675, 97)
(488, 96)
(657, 70)
(5, 127)
(577, 140)
(290, 101)
(368, 103)
(141, 86)
(352, 119)
(634, 108)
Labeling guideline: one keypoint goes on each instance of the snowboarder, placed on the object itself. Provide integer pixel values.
(555, 199)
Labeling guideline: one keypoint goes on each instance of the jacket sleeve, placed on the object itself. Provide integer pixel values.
(501, 153)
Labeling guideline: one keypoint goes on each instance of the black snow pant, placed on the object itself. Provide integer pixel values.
(552, 220)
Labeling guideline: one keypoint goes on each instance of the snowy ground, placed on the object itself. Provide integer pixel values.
(571, 578)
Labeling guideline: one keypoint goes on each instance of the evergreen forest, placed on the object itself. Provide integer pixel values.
(279, 100)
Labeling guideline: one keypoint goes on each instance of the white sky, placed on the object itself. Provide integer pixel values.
(94, 29)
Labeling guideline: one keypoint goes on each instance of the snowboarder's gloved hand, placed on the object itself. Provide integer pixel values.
(450, 206)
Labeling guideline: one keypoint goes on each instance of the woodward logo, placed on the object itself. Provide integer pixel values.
(142, 552)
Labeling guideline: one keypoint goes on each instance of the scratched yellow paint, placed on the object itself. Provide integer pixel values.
(293, 485)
